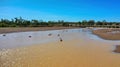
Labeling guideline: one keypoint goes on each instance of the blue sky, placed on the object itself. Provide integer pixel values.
(68, 10)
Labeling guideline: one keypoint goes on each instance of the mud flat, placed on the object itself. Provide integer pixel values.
(24, 29)
(108, 34)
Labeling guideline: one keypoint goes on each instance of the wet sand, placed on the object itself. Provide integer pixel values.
(24, 29)
(108, 34)
(80, 51)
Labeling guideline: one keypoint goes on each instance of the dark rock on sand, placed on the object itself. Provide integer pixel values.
(30, 36)
(61, 39)
(58, 34)
(49, 34)
(117, 49)
(4, 35)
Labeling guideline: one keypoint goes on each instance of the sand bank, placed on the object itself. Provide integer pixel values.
(79, 51)
(109, 34)
(24, 29)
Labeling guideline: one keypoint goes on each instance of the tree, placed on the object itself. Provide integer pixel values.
(99, 23)
(91, 22)
(19, 22)
(50, 23)
(104, 22)
(35, 23)
(79, 23)
(84, 22)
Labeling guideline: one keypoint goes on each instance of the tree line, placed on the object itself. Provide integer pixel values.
(20, 22)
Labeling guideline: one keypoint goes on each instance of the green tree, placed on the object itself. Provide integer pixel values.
(84, 22)
(91, 22)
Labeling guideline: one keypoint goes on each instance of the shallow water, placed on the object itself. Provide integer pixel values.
(80, 48)
(13, 40)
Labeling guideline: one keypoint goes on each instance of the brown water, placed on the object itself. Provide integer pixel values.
(80, 51)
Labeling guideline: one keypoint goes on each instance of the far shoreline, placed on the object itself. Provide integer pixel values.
(5, 30)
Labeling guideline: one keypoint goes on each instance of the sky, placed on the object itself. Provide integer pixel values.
(67, 10)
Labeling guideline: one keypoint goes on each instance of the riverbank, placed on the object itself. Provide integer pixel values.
(108, 34)
(25, 29)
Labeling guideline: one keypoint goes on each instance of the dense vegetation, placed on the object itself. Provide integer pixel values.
(19, 22)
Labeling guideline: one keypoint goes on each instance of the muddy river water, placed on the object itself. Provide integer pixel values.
(79, 48)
